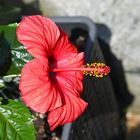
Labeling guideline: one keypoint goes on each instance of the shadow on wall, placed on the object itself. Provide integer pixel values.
(123, 96)
(12, 11)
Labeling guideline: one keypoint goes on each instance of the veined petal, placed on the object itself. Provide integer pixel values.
(71, 79)
(67, 113)
(37, 90)
(38, 34)
(72, 60)
(63, 47)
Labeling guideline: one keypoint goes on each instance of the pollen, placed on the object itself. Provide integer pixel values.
(96, 69)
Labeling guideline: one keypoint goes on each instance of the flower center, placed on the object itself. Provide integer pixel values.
(51, 63)
(93, 69)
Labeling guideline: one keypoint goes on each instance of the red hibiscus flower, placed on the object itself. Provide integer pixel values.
(52, 81)
(42, 89)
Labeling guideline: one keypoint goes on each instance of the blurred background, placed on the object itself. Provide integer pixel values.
(118, 25)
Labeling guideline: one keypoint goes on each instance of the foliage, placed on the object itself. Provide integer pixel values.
(16, 122)
(19, 56)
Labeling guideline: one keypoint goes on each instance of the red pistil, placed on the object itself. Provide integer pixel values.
(94, 69)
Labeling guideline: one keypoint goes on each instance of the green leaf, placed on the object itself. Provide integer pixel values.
(10, 35)
(16, 122)
(19, 55)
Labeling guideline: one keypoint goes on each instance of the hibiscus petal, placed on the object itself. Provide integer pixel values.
(67, 113)
(71, 79)
(38, 34)
(63, 47)
(37, 90)
(72, 60)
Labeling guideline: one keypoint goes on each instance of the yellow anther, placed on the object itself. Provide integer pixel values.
(96, 72)
(86, 73)
(90, 74)
(96, 75)
(102, 64)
